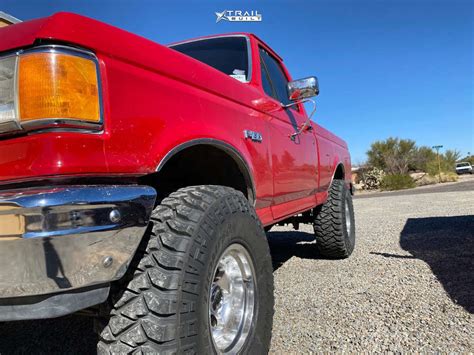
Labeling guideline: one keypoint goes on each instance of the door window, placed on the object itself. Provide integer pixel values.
(277, 77)
(267, 85)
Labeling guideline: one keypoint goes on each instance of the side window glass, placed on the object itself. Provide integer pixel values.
(226, 54)
(277, 77)
(267, 86)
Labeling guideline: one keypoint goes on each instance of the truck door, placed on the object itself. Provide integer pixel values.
(294, 160)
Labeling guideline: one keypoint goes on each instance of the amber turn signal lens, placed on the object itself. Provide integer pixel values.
(57, 86)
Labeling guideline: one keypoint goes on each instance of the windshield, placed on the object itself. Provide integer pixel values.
(226, 54)
(460, 165)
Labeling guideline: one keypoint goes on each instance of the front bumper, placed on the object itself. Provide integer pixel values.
(62, 240)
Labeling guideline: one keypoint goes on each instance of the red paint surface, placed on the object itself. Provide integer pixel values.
(155, 99)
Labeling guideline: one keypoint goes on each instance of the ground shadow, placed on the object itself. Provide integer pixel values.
(446, 244)
(284, 245)
(66, 335)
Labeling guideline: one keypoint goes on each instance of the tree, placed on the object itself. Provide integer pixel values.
(452, 156)
(422, 157)
(469, 158)
(394, 155)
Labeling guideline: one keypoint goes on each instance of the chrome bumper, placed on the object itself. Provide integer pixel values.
(62, 239)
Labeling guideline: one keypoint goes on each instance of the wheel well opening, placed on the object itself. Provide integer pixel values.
(201, 165)
(339, 173)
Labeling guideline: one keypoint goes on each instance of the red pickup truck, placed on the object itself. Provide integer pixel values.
(137, 181)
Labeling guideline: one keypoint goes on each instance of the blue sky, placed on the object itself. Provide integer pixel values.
(386, 68)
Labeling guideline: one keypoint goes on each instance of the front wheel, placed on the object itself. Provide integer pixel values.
(334, 225)
(202, 282)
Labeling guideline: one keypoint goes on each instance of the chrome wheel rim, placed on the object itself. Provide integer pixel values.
(348, 219)
(232, 300)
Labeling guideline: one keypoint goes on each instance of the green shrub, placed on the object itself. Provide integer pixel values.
(432, 167)
(397, 182)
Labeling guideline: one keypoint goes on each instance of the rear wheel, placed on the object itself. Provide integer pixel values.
(334, 224)
(202, 281)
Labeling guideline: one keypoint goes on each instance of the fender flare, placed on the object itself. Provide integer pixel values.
(242, 164)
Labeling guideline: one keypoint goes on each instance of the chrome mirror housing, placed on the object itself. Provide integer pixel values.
(303, 88)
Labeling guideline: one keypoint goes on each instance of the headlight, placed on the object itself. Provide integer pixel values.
(49, 88)
(7, 94)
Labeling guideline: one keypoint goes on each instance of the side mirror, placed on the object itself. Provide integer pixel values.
(303, 88)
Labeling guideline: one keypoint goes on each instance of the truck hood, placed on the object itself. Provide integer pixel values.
(63, 27)
(20, 35)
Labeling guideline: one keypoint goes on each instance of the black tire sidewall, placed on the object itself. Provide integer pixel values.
(243, 229)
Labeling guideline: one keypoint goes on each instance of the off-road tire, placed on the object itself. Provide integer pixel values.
(162, 306)
(333, 240)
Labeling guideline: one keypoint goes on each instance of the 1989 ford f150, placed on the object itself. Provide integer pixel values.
(137, 182)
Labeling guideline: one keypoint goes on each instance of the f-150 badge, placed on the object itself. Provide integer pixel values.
(254, 136)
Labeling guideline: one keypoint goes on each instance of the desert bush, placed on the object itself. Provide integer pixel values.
(429, 179)
(449, 177)
(399, 156)
(421, 158)
(432, 168)
(451, 156)
(371, 179)
(446, 167)
(393, 155)
(397, 182)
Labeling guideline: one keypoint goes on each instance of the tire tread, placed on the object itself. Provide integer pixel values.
(329, 223)
(155, 310)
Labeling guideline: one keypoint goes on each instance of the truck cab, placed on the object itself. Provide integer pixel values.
(301, 175)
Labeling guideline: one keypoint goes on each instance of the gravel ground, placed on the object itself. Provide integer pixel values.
(409, 286)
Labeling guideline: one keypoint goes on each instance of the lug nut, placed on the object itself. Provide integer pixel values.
(108, 260)
(115, 216)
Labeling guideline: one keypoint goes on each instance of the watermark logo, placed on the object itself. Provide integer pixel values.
(238, 16)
